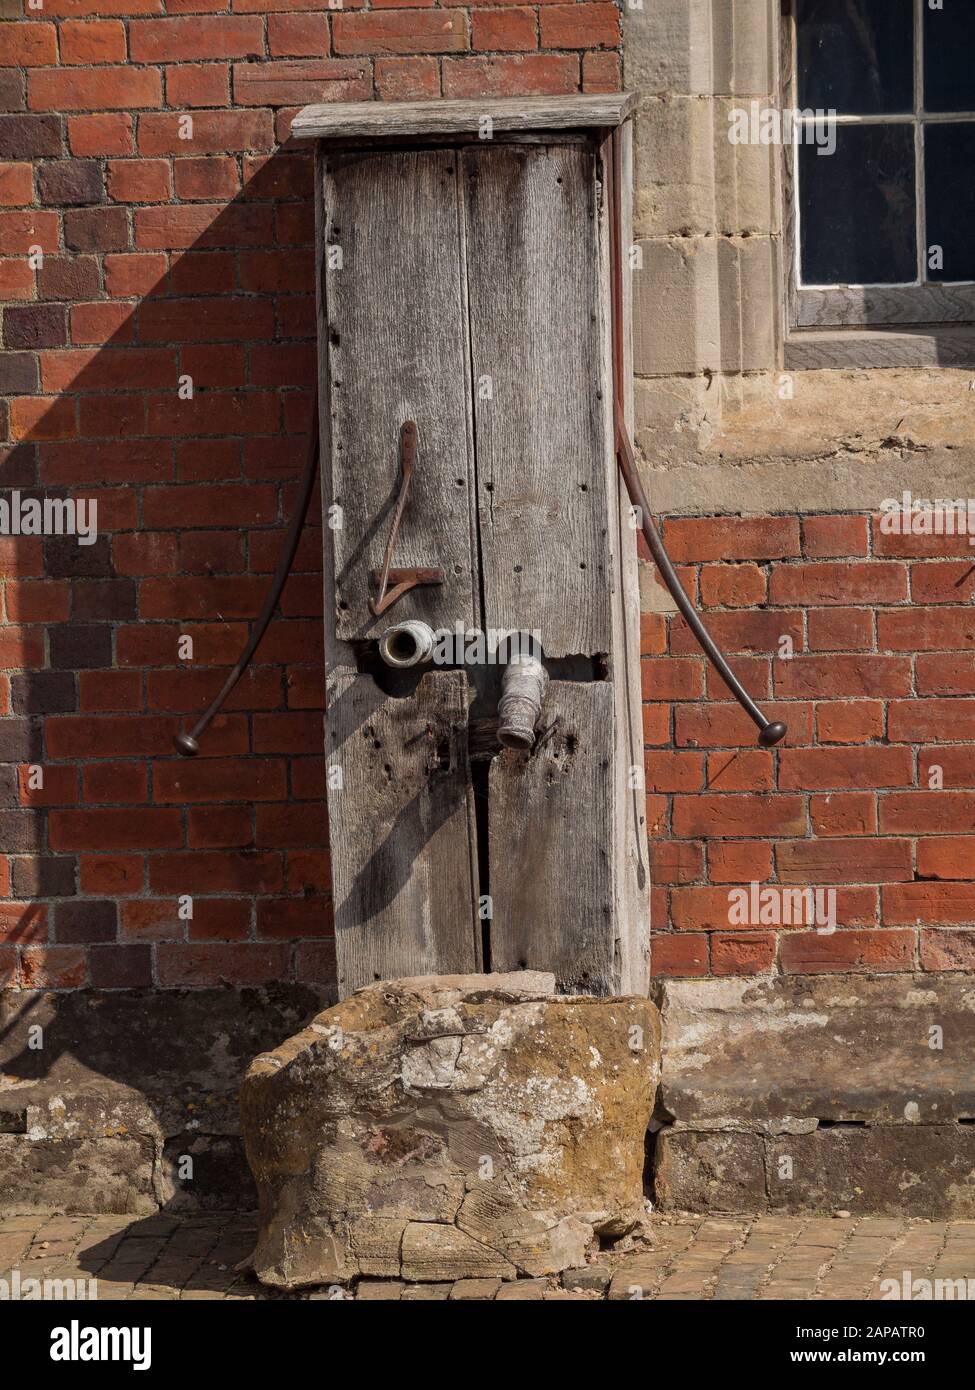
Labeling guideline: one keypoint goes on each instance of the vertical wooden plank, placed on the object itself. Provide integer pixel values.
(551, 835)
(533, 285)
(404, 849)
(631, 851)
(394, 339)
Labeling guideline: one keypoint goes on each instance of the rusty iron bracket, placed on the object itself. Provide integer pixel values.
(403, 580)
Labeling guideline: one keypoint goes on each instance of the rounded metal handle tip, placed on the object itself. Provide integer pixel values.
(771, 734)
(186, 745)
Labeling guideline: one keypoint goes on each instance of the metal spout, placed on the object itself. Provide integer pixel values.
(406, 644)
(523, 687)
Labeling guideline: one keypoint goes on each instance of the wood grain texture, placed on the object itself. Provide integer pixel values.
(404, 856)
(883, 304)
(407, 118)
(924, 347)
(551, 833)
(540, 420)
(395, 339)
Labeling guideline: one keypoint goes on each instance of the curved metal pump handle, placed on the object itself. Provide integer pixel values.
(187, 743)
(769, 733)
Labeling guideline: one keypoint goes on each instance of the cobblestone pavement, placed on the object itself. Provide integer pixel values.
(765, 1257)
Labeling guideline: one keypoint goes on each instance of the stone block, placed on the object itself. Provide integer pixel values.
(447, 1128)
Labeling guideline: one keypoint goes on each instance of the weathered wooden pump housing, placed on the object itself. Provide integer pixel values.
(464, 289)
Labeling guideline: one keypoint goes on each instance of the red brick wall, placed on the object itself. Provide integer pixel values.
(881, 689)
(167, 257)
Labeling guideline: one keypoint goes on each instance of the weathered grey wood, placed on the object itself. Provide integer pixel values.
(881, 304)
(536, 354)
(406, 118)
(395, 342)
(404, 851)
(631, 851)
(551, 819)
(924, 347)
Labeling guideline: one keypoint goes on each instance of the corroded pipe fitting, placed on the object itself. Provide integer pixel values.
(523, 687)
(406, 644)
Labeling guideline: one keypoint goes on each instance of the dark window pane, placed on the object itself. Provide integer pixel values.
(949, 57)
(949, 195)
(856, 56)
(857, 210)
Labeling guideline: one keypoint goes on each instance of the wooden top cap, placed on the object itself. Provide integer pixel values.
(382, 119)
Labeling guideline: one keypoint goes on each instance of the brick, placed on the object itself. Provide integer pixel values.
(122, 828)
(298, 35)
(675, 771)
(100, 323)
(287, 826)
(94, 89)
(43, 602)
(16, 279)
(946, 674)
(843, 861)
(822, 768)
(217, 36)
(244, 963)
(215, 779)
(738, 815)
(148, 460)
(16, 185)
(21, 231)
(68, 277)
(213, 132)
(672, 956)
(100, 691)
(523, 74)
(92, 42)
(42, 417)
(43, 692)
(114, 783)
(917, 546)
(880, 677)
(219, 919)
(198, 84)
(18, 373)
(956, 763)
(504, 31)
(840, 629)
(947, 950)
(400, 31)
(839, 583)
(407, 79)
(120, 967)
(694, 539)
(86, 920)
(739, 861)
(127, 276)
(947, 581)
(916, 721)
(44, 877)
(217, 871)
(208, 224)
(844, 813)
(734, 953)
(206, 178)
(31, 137)
(700, 909)
(138, 180)
(743, 770)
(732, 586)
(11, 90)
(926, 813)
(219, 827)
(923, 904)
(602, 72)
(950, 857)
(243, 504)
(580, 25)
(104, 135)
(815, 953)
(674, 861)
(927, 629)
(826, 536)
(294, 82)
(20, 923)
(96, 229)
(28, 44)
(53, 967)
(79, 647)
(21, 647)
(670, 679)
(758, 630)
(117, 874)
